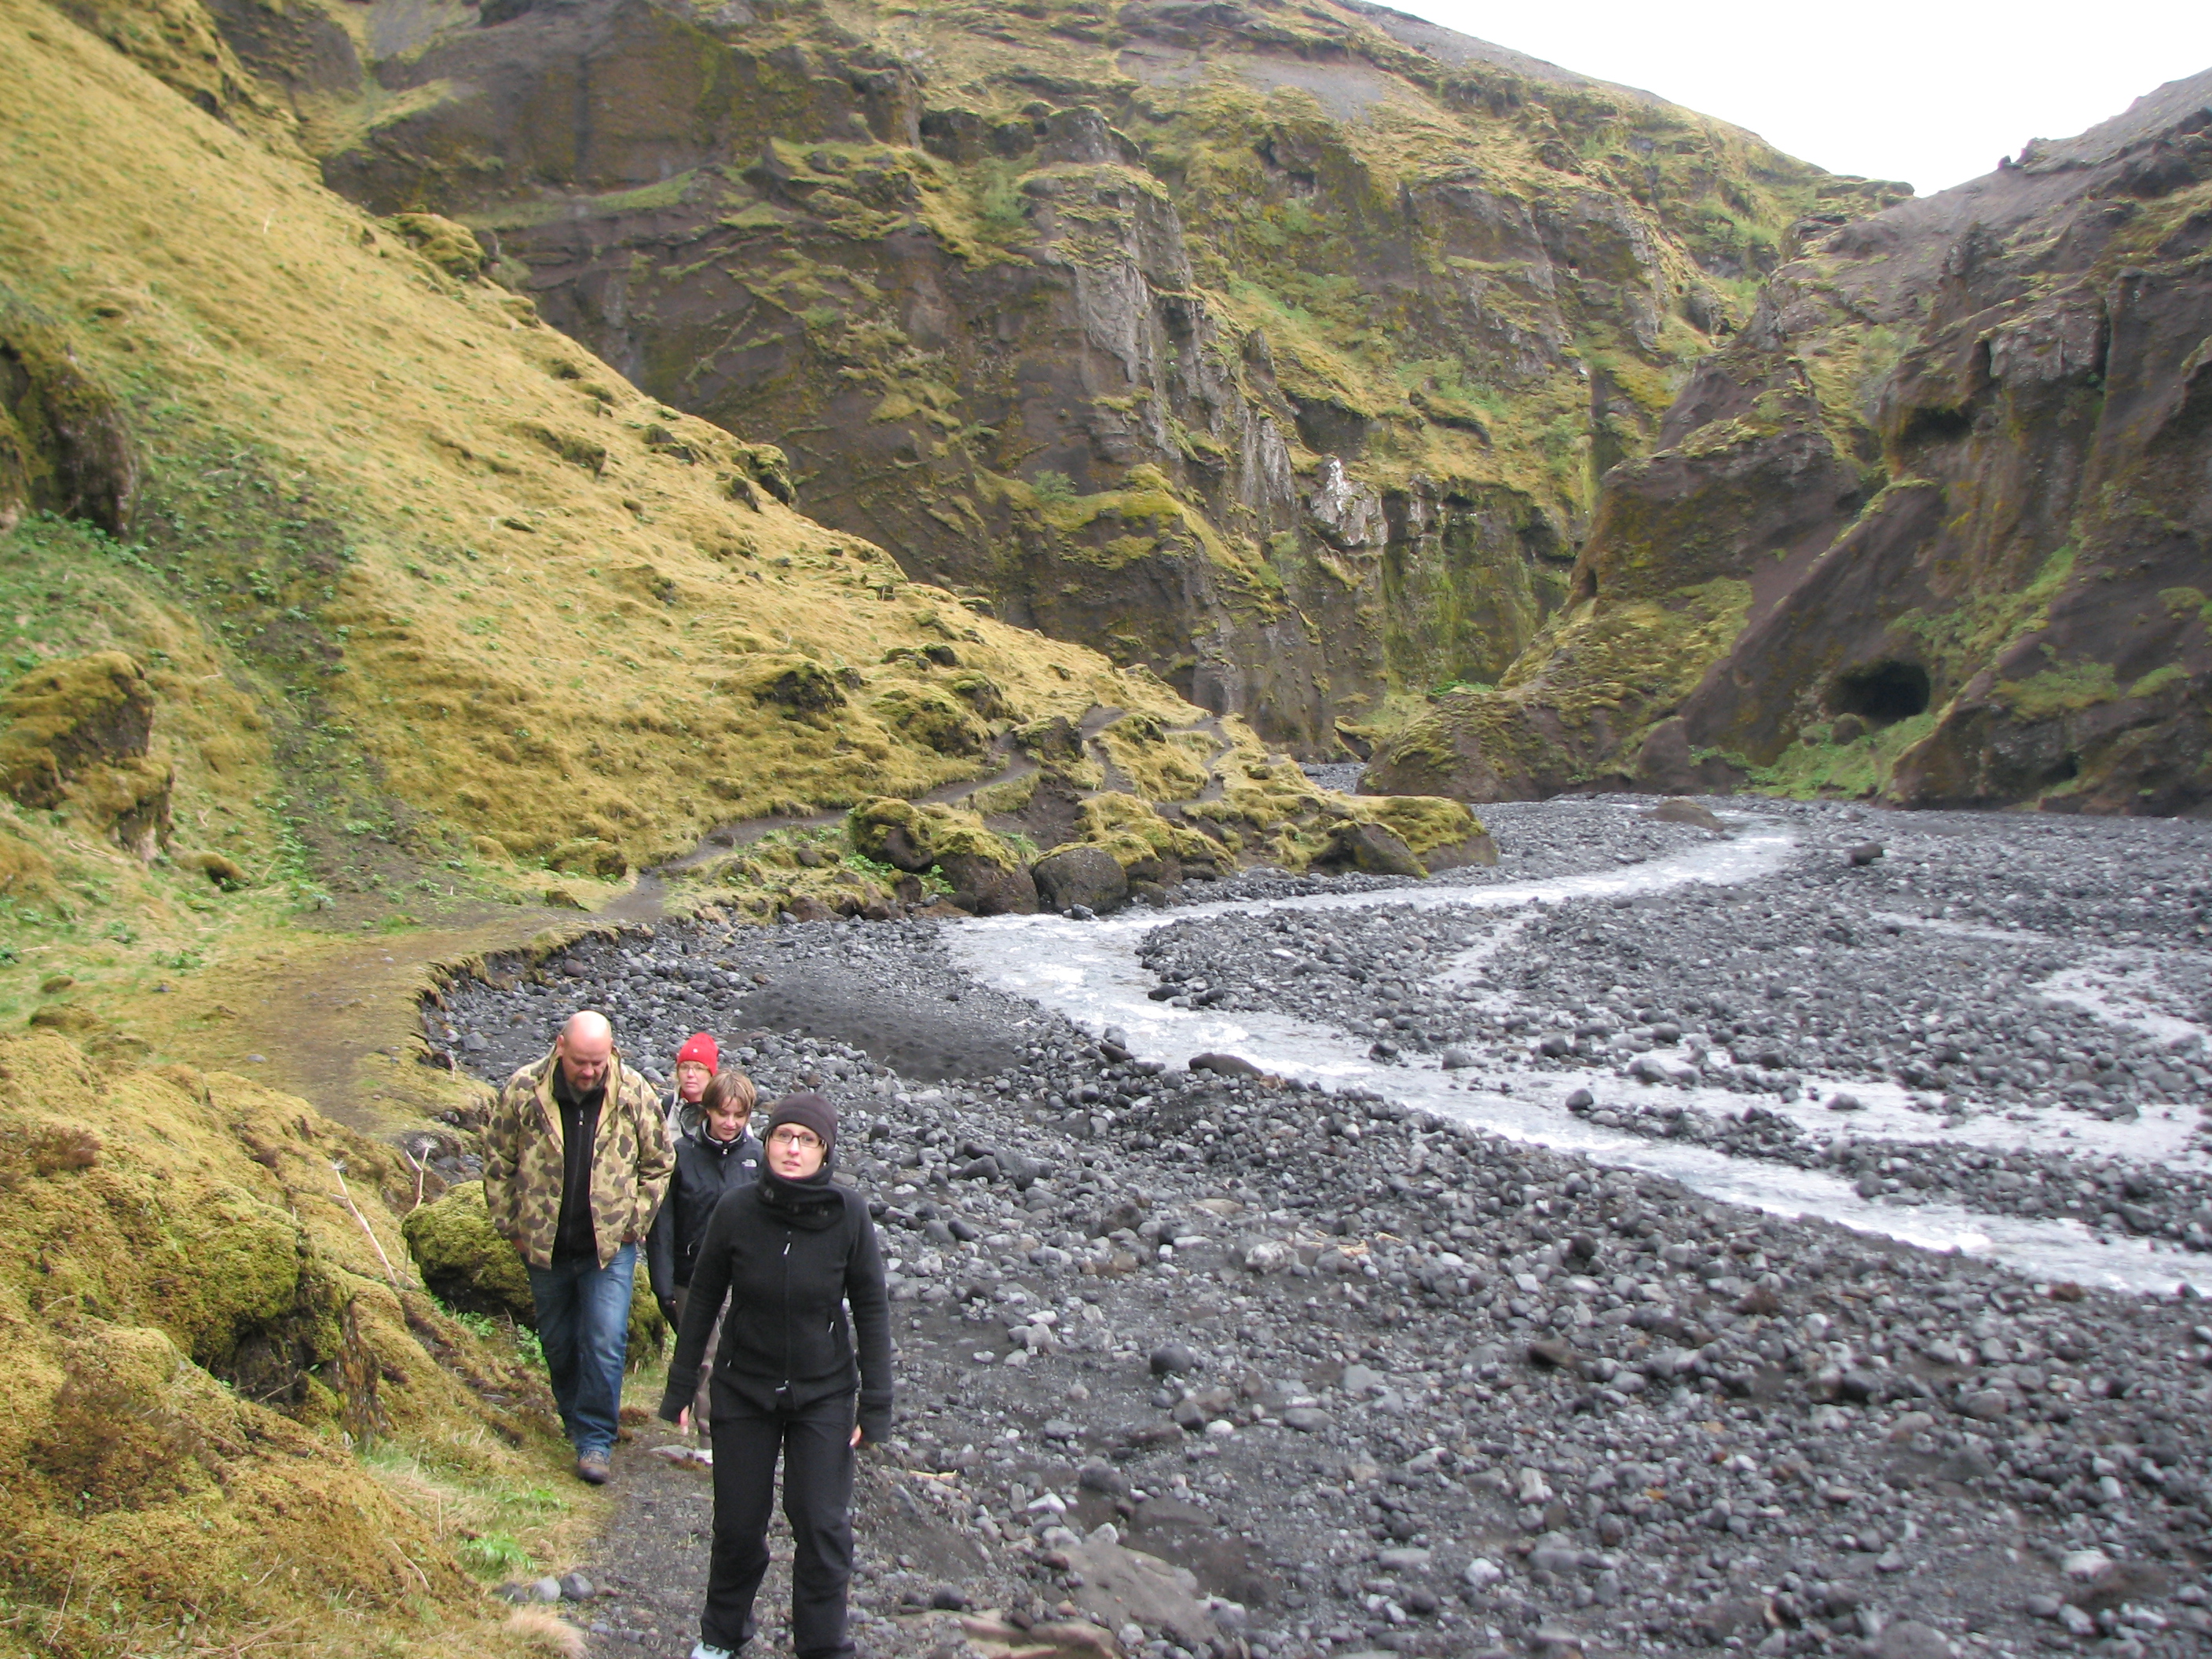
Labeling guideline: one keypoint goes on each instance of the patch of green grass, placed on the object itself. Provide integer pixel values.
(495, 1555)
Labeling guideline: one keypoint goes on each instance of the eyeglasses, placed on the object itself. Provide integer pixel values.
(791, 1136)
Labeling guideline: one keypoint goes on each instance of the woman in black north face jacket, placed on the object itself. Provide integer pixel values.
(713, 1155)
(793, 1252)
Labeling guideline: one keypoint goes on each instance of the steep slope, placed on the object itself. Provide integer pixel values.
(333, 579)
(1274, 346)
(236, 1422)
(1934, 528)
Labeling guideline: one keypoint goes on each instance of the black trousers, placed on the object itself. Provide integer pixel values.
(816, 1443)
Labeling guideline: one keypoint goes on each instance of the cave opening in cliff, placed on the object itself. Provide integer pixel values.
(1883, 693)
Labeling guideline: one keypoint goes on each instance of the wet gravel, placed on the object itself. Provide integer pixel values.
(1384, 1381)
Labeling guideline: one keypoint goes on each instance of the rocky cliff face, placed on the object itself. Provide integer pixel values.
(1936, 527)
(1276, 347)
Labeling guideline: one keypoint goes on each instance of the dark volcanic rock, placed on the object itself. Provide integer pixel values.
(984, 887)
(1369, 848)
(1089, 876)
(1336, 1357)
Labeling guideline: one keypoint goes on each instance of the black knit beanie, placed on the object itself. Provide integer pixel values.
(809, 1111)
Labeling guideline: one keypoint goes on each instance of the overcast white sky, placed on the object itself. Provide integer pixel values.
(1930, 91)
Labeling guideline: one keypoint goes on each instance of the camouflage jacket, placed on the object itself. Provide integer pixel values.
(522, 1162)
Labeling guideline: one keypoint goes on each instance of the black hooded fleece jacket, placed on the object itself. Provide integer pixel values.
(785, 1341)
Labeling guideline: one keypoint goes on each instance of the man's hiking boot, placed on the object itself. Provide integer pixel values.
(593, 1468)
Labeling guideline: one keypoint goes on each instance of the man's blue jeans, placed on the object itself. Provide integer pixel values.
(583, 1324)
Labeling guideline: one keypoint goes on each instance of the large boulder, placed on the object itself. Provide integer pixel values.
(464, 1264)
(1081, 874)
(1681, 810)
(450, 246)
(984, 887)
(64, 447)
(1148, 846)
(988, 878)
(1440, 832)
(1372, 849)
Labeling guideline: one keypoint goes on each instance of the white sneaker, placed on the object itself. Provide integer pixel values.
(700, 1651)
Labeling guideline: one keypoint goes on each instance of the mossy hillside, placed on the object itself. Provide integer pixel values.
(205, 1345)
(1478, 288)
(425, 600)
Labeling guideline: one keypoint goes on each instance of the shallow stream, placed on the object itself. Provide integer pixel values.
(1091, 972)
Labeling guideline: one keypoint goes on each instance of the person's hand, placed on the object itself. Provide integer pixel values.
(683, 1418)
(668, 1311)
(856, 1436)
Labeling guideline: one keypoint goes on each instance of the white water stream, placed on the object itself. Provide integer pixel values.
(1089, 972)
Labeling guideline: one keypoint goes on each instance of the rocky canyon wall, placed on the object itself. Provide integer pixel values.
(1936, 527)
(1275, 347)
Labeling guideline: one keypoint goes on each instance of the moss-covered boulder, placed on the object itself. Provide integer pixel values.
(988, 878)
(984, 887)
(934, 719)
(67, 716)
(64, 447)
(76, 732)
(1442, 834)
(799, 685)
(450, 246)
(587, 856)
(917, 838)
(463, 1263)
(1148, 846)
(471, 1269)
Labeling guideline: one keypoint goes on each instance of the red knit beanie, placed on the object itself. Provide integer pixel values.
(700, 1048)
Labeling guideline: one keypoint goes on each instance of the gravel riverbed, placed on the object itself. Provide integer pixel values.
(1383, 1380)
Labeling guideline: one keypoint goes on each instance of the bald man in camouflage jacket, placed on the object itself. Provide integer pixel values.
(576, 1160)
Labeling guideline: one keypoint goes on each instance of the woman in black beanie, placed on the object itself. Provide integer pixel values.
(791, 1252)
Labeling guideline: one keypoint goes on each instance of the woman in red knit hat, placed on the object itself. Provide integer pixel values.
(696, 1062)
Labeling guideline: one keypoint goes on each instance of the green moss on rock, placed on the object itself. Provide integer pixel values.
(471, 1269)
(918, 836)
(466, 1264)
